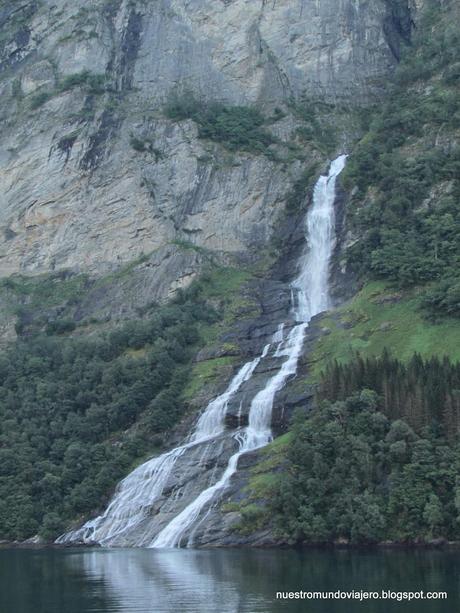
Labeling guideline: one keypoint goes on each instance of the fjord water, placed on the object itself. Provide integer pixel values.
(205, 581)
(131, 504)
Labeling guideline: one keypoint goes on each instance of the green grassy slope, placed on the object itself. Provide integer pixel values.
(379, 317)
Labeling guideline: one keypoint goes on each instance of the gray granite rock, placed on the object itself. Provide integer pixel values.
(75, 193)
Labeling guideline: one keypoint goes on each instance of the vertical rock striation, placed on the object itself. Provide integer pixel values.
(80, 82)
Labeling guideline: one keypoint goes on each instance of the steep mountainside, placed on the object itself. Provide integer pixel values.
(151, 146)
(93, 173)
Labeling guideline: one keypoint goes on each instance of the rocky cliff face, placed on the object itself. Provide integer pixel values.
(95, 177)
(82, 83)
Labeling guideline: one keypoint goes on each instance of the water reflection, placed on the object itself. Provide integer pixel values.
(246, 581)
(157, 581)
(41, 582)
(170, 580)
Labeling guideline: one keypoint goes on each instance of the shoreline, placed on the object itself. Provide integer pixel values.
(384, 545)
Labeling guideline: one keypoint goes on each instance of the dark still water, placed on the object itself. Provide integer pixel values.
(155, 581)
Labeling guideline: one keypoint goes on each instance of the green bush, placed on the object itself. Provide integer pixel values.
(235, 127)
(137, 144)
(443, 298)
(94, 84)
(317, 128)
(39, 99)
(60, 326)
(145, 145)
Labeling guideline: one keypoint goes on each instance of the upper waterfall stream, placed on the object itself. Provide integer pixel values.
(126, 519)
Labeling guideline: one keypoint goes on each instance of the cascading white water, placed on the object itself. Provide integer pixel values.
(311, 296)
(311, 285)
(141, 488)
(136, 494)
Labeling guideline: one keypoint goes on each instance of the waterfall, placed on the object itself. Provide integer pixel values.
(311, 297)
(141, 488)
(135, 495)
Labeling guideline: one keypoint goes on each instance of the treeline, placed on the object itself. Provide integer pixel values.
(68, 407)
(425, 393)
(354, 474)
(407, 171)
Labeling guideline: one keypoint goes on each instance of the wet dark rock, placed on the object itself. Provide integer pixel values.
(219, 351)
(398, 25)
(343, 282)
(98, 141)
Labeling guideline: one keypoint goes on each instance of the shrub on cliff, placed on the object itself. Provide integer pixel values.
(235, 127)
